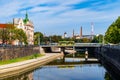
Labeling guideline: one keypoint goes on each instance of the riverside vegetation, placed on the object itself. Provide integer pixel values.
(36, 55)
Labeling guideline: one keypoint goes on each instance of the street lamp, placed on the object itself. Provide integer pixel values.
(103, 40)
(39, 40)
(50, 40)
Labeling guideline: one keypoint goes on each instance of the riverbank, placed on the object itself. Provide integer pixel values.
(4, 62)
(21, 67)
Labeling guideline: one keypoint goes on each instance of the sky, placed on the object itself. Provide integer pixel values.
(54, 17)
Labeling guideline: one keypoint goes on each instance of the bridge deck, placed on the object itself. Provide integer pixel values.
(75, 45)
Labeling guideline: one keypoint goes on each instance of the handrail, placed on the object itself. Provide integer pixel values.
(76, 44)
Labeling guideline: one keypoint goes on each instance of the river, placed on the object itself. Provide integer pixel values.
(67, 69)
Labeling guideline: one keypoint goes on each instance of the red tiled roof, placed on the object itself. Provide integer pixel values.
(3, 25)
(6, 25)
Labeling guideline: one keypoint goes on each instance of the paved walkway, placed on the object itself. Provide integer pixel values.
(24, 66)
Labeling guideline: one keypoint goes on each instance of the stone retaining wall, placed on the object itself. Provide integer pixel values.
(19, 68)
(110, 55)
(7, 53)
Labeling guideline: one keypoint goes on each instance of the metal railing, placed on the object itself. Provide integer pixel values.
(76, 44)
(113, 46)
(56, 44)
(88, 44)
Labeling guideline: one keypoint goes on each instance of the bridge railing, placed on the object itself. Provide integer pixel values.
(75, 44)
(113, 46)
(88, 44)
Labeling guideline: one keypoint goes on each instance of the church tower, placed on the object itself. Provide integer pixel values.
(26, 18)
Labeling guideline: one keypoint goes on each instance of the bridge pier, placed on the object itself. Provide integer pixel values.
(86, 55)
(42, 51)
(63, 50)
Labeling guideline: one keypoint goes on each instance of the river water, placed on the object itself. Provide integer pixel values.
(68, 69)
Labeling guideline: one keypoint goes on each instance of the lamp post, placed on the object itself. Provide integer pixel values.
(103, 40)
(86, 55)
(50, 40)
(39, 40)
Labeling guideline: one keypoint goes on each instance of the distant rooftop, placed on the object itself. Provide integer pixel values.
(3, 25)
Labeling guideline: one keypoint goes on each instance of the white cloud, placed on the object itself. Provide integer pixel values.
(69, 2)
(9, 9)
(60, 15)
(37, 9)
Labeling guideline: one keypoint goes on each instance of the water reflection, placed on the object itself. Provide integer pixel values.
(107, 76)
(25, 76)
(59, 71)
(76, 72)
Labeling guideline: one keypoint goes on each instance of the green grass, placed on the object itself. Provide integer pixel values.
(20, 59)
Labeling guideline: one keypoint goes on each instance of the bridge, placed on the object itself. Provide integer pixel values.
(75, 47)
(108, 55)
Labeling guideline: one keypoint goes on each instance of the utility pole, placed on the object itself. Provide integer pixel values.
(92, 30)
(50, 40)
(103, 40)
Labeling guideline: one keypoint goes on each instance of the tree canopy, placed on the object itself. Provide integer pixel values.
(112, 34)
(21, 36)
(38, 37)
(11, 33)
(98, 39)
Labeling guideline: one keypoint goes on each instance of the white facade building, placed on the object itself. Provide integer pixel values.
(27, 27)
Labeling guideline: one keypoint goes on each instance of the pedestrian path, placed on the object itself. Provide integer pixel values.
(20, 67)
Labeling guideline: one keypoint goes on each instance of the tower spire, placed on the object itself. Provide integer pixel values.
(26, 15)
(26, 18)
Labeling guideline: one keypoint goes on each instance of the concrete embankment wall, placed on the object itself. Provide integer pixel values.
(25, 66)
(7, 53)
(110, 55)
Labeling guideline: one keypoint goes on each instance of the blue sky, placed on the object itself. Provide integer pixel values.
(58, 16)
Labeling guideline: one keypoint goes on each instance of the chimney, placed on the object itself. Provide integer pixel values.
(81, 31)
(73, 33)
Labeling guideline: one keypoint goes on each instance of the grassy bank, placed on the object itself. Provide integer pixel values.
(20, 59)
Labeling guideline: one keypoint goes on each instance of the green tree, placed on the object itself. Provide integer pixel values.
(107, 76)
(100, 38)
(55, 38)
(112, 34)
(6, 33)
(3, 35)
(97, 39)
(11, 33)
(46, 40)
(38, 36)
(85, 40)
(21, 36)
